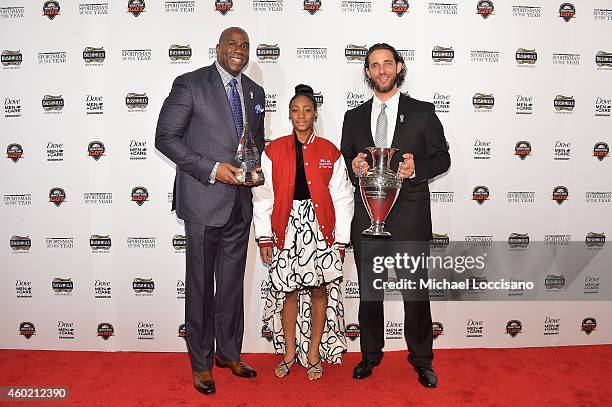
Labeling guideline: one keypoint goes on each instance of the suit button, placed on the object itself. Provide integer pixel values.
(316, 205)
(306, 163)
(322, 226)
(309, 182)
(304, 147)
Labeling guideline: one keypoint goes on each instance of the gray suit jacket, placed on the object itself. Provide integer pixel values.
(195, 130)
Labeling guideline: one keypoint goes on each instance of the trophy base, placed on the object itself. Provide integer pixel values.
(376, 229)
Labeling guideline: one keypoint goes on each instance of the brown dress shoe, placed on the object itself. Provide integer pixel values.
(239, 368)
(204, 382)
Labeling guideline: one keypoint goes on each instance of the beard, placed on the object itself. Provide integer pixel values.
(384, 89)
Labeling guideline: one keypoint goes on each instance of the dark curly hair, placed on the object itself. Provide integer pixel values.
(401, 76)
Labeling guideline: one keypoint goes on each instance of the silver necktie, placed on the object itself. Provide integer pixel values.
(380, 139)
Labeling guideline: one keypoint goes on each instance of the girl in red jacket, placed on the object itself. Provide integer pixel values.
(302, 217)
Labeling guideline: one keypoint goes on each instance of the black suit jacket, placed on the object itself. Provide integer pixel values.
(420, 133)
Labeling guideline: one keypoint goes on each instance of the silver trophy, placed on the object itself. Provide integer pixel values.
(379, 188)
(249, 160)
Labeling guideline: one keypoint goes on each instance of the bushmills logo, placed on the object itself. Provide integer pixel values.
(439, 241)
(179, 242)
(11, 58)
(267, 52)
(514, 327)
(484, 8)
(92, 55)
(603, 59)
(595, 240)
(518, 240)
(14, 152)
(564, 103)
(143, 285)
(442, 54)
(567, 11)
(51, 9)
(180, 53)
(560, 194)
(483, 101)
(62, 285)
(554, 282)
(480, 194)
(138, 101)
(526, 56)
(355, 52)
(100, 242)
(522, 149)
(52, 103)
(57, 196)
(20, 243)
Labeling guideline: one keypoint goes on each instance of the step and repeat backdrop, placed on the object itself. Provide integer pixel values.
(93, 259)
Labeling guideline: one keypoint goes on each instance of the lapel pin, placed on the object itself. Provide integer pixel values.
(401, 118)
(251, 95)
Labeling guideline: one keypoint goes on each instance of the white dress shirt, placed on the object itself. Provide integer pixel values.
(391, 111)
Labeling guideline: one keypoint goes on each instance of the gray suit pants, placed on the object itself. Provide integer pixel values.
(214, 305)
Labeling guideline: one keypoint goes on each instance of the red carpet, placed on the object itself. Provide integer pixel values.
(563, 376)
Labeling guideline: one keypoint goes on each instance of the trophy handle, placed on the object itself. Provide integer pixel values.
(400, 166)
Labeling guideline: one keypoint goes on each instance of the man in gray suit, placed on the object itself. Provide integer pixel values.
(199, 127)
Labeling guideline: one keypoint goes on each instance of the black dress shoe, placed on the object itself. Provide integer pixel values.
(204, 382)
(364, 368)
(427, 377)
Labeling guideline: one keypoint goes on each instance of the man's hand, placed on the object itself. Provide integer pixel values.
(408, 168)
(360, 164)
(226, 173)
(266, 254)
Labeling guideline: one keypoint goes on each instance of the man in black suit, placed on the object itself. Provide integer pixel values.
(199, 127)
(392, 119)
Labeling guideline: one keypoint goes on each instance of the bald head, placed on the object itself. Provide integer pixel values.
(233, 50)
(231, 30)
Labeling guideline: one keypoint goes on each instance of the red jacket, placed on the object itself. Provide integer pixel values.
(330, 190)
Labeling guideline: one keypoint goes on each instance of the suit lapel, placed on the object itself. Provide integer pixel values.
(367, 122)
(401, 119)
(249, 103)
(219, 94)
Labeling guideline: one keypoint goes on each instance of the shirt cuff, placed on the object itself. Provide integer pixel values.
(410, 177)
(213, 174)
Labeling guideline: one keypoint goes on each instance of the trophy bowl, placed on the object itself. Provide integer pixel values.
(379, 188)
